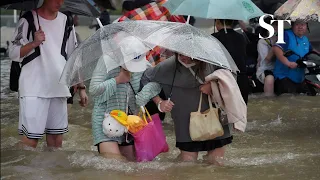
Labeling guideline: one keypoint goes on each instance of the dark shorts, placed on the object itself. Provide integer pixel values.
(197, 146)
(267, 73)
(285, 85)
(131, 142)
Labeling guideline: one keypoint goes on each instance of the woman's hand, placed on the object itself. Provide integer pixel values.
(123, 77)
(83, 98)
(166, 106)
(292, 65)
(206, 88)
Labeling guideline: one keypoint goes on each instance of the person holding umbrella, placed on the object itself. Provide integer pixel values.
(235, 43)
(43, 100)
(175, 77)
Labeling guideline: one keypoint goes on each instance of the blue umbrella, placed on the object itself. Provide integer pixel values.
(215, 9)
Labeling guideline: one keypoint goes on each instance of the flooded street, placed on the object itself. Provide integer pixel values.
(282, 142)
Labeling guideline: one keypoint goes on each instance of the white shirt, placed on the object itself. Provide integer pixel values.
(263, 50)
(40, 77)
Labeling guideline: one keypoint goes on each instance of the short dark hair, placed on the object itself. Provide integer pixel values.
(228, 22)
(128, 5)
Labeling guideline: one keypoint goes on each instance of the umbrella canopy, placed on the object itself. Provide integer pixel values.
(215, 9)
(108, 48)
(118, 43)
(189, 41)
(152, 11)
(79, 7)
(306, 10)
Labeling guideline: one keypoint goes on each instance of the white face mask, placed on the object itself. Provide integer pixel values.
(186, 65)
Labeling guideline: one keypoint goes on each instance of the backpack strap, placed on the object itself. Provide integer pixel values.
(31, 30)
(67, 30)
(268, 41)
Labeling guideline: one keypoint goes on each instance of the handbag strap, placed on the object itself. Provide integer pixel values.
(201, 82)
(194, 74)
(200, 102)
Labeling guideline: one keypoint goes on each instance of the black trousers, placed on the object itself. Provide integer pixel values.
(243, 83)
(286, 85)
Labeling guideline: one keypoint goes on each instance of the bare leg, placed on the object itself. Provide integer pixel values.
(216, 156)
(269, 85)
(54, 140)
(128, 152)
(111, 150)
(29, 142)
(188, 156)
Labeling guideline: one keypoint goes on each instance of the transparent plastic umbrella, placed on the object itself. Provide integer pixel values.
(190, 41)
(118, 43)
(115, 44)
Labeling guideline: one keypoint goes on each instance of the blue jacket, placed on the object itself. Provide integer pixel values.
(300, 46)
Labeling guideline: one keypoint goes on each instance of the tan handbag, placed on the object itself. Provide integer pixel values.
(205, 126)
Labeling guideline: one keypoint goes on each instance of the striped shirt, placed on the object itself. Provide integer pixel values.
(109, 96)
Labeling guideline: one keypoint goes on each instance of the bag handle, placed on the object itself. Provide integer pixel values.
(144, 111)
(201, 82)
(200, 102)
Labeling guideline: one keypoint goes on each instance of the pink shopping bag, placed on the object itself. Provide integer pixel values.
(151, 140)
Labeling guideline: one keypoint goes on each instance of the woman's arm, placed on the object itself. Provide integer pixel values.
(279, 54)
(149, 91)
(102, 88)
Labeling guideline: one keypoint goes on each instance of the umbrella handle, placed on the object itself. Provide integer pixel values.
(75, 36)
(99, 22)
(188, 19)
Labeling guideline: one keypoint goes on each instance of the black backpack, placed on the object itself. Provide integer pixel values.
(15, 69)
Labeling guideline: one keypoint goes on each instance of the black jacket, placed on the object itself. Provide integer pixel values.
(235, 44)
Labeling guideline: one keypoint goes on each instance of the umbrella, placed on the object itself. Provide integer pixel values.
(79, 7)
(189, 41)
(215, 9)
(305, 10)
(109, 47)
(152, 11)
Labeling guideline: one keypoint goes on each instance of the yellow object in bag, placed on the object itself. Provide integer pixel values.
(120, 116)
(132, 122)
(205, 126)
(135, 123)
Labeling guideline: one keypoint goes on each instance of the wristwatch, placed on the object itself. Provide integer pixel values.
(82, 87)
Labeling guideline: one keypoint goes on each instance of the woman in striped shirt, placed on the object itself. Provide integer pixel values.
(110, 91)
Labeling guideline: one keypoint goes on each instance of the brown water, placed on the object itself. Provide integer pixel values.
(282, 141)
